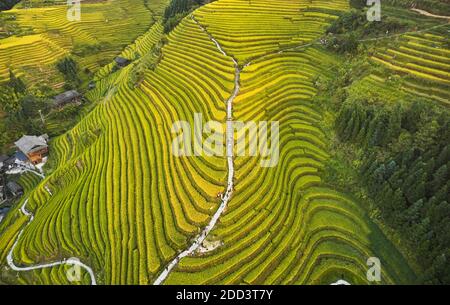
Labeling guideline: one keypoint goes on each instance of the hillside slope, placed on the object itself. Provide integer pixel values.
(123, 204)
(44, 35)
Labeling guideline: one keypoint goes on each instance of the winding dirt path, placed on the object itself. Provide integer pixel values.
(428, 14)
(229, 143)
(70, 261)
(229, 191)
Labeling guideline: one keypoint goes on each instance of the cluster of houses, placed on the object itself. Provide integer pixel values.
(30, 150)
(33, 149)
(8, 190)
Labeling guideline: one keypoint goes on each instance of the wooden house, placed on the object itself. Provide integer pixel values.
(34, 147)
(68, 97)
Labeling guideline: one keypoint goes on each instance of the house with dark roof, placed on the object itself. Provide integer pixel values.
(2, 182)
(33, 147)
(14, 188)
(20, 156)
(3, 212)
(122, 62)
(3, 158)
(9, 163)
(71, 96)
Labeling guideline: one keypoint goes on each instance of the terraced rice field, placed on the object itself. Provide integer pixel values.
(15, 52)
(11, 224)
(126, 206)
(138, 49)
(422, 59)
(283, 226)
(104, 29)
(257, 28)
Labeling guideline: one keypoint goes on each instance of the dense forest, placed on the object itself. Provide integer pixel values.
(405, 165)
(399, 148)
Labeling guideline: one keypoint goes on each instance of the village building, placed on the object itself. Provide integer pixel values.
(14, 188)
(10, 162)
(3, 158)
(2, 192)
(33, 147)
(2, 184)
(3, 212)
(19, 156)
(68, 97)
(122, 62)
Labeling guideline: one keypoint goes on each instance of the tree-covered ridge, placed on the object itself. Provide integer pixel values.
(396, 141)
(405, 165)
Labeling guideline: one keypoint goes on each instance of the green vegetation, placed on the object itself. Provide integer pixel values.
(167, 198)
(404, 165)
(435, 6)
(18, 111)
(49, 55)
(177, 10)
(69, 68)
(283, 224)
(104, 30)
(346, 32)
(364, 161)
(391, 144)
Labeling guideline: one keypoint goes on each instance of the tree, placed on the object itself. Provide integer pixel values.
(395, 122)
(412, 214)
(177, 10)
(440, 177)
(390, 168)
(69, 68)
(433, 274)
(444, 156)
(380, 173)
(412, 116)
(9, 100)
(359, 4)
(16, 83)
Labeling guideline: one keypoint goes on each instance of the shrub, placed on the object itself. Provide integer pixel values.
(69, 68)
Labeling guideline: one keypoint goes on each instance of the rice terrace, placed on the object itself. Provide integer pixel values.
(224, 142)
